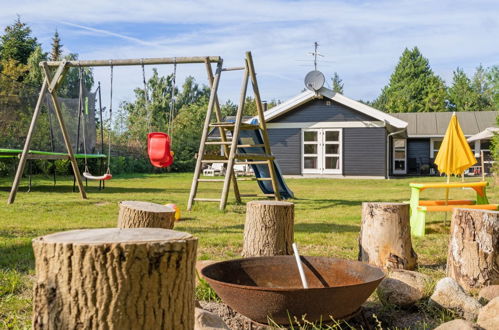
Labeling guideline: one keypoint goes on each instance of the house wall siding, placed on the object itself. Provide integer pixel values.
(319, 110)
(364, 151)
(285, 144)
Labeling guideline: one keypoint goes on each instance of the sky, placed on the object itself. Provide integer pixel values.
(360, 40)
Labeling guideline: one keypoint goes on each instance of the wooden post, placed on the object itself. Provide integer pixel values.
(140, 278)
(134, 214)
(385, 236)
(473, 258)
(137, 61)
(27, 143)
(221, 130)
(204, 135)
(234, 142)
(61, 70)
(482, 163)
(263, 125)
(268, 230)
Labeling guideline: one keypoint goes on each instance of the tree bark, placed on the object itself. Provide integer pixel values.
(385, 236)
(473, 258)
(134, 214)
(268, 230)
(139, 278)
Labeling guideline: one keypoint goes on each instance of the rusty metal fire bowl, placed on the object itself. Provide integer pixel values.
(263, 287)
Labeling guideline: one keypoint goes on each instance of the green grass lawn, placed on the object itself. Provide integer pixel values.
(327, 222)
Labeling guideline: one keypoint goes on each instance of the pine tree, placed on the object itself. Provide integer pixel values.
(337, 83)
(17, 42)
(56, 52)
(460, 94)
(492, 77)
(35, 76)
(413, 86)
(483, 89)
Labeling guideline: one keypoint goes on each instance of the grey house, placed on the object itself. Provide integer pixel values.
(425, 132)
(327, 134)
(324, 133)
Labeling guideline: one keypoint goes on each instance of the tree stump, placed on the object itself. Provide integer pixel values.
(134, 214)
(385, 236)
(473, 258)
(138, 278)
(268, 230)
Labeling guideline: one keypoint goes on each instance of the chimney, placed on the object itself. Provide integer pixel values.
(265, 106)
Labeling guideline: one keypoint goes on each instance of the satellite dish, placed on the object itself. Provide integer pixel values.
(314, 80)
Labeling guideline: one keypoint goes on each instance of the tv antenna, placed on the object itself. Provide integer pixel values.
(315, 53)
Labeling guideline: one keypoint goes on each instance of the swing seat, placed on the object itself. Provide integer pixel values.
(158, 149)
(89, 176)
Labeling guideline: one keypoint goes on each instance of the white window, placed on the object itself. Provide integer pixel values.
(435, 144)
(321, 151)
(399, 156)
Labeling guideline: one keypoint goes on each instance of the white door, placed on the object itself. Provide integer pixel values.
(331, 151)
(321, 151)
(399, 156)
(311, 151)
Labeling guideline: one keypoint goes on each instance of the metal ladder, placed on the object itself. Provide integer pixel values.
(230, 156)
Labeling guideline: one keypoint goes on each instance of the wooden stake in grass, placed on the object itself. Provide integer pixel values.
(134, 214)
(473, 259)
(140, 278)
(268, 230)
(385, 236)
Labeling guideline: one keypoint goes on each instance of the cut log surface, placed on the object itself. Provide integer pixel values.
(139, 278)
(268, 230)
(135, 214)
(385, 236)
(473, 258)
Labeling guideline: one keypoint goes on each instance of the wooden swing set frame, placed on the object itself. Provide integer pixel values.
(55, 72)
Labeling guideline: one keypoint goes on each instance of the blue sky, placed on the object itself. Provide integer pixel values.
(361, 40)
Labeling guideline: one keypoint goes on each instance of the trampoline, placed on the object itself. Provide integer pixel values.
(47, 155)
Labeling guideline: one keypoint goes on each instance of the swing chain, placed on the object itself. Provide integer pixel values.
(82, 114)
(110, 120)
(172, 100)
(146, 96)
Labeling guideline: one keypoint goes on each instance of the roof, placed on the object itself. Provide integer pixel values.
(308, 95)
(434, 124)
(486, 134)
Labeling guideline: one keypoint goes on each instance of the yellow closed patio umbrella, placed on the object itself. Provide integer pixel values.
(454, 155)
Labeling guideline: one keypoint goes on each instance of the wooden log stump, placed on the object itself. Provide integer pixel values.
(134, 214)
(385, 236)
(268, 230)
(473, 258)
(138, 278)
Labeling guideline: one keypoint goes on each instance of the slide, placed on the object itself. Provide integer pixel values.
(262, 171)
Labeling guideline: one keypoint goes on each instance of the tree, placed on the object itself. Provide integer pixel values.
(153, 114)
(187, 133)
(191, 91)
(413, 86)
(35, 75)
(481, 86)
(56, 52)
(470, 94)
(492, 77)
(337, 83)
(461, 95)
(17, 42)
(70, 86)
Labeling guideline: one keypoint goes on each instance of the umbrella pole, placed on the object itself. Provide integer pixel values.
(482, 161)
(446, 198)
